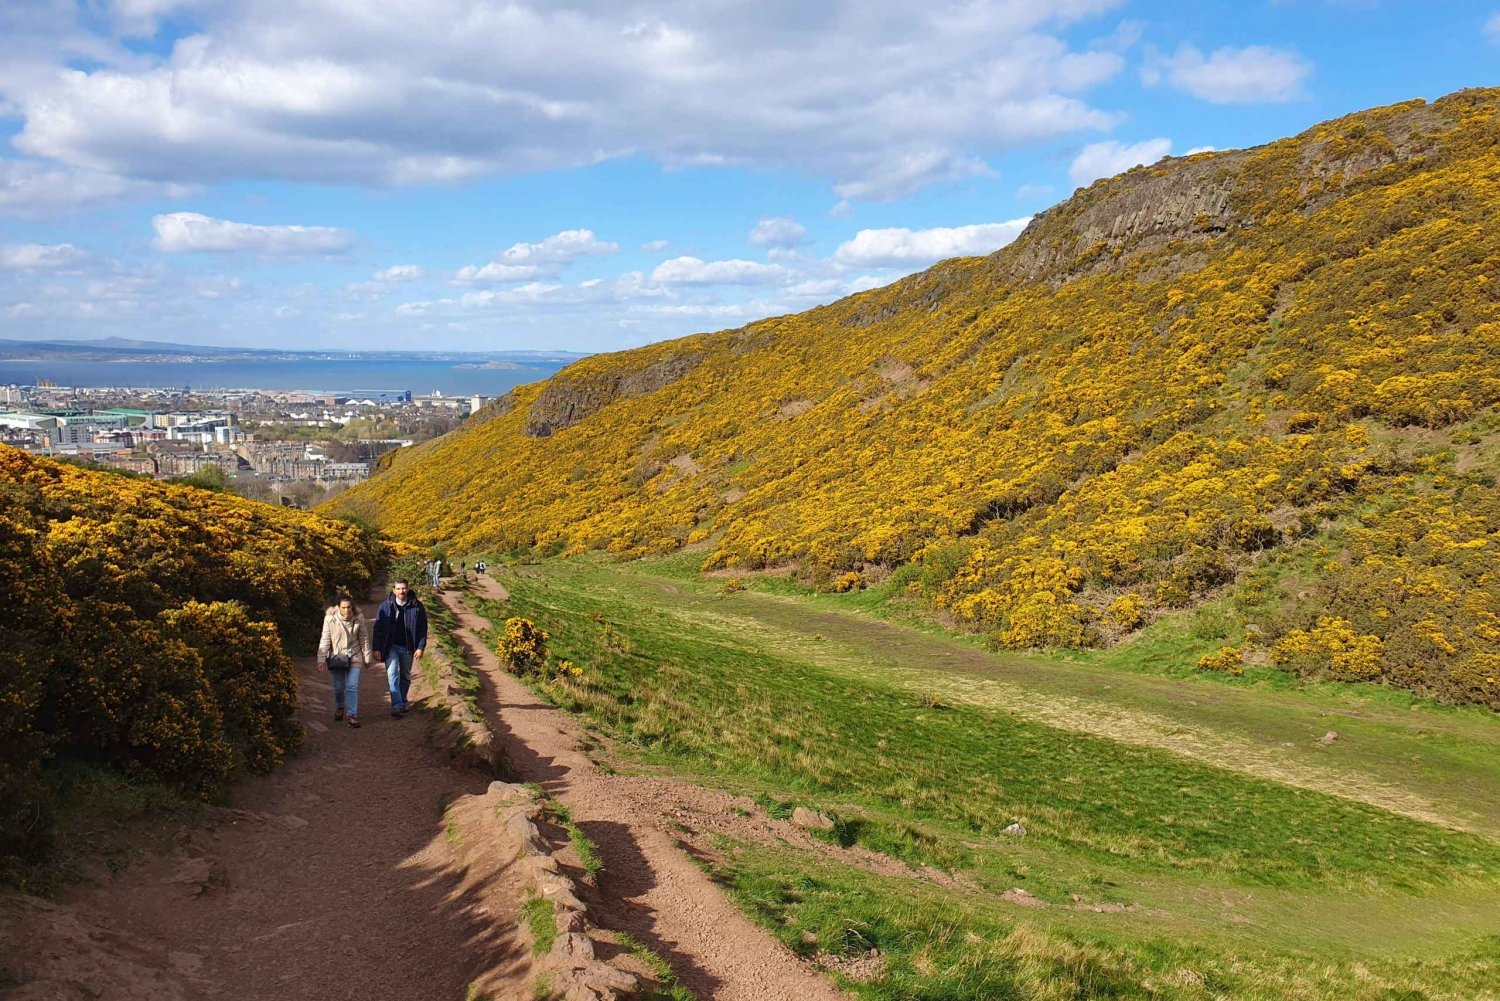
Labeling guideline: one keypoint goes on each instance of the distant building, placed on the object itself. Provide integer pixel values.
(132, 416)
(346, 471)
(187, 463)
(132, 463)
(437, 399)
(28, 422)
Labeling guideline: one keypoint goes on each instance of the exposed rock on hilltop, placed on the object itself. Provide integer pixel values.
(1265, 378)
(1150, 207)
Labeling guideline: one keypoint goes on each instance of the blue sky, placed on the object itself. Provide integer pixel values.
(593, 176)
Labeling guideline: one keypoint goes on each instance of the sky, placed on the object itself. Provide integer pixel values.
(592, 176)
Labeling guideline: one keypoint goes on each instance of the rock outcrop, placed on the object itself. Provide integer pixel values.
(565, 401)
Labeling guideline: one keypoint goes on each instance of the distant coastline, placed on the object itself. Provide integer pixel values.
(159, 366)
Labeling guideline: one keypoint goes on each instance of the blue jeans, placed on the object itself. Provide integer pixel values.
(345, 689)
(398, 674)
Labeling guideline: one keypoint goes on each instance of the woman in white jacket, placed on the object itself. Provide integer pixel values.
(344, 650)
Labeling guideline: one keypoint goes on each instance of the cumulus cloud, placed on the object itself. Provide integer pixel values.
(185, 232)
(778, 231)
(1108, 158)
(693, 271)
(560, 248)
(915, 248)
(655, 246)
(1255, 74)
(400, 273)
(543, 259)
(381, 93)
(39, 256)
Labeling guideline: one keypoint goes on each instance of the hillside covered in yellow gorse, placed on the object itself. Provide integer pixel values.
(144, 631)
(1266, 376)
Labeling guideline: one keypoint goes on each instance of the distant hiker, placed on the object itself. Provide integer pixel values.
(480, 567)
(400, 637)
(344, 650)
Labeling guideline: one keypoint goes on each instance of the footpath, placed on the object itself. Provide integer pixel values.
(649, 888)
(373, 865)
(330, 878)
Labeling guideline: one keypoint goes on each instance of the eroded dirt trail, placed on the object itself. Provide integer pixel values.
(650, 888)
(330, 878)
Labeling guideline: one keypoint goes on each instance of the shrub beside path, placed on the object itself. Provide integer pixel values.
(650, 888)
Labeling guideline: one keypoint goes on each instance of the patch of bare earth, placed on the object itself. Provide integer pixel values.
(644, 828)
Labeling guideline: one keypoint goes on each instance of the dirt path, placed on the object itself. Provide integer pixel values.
(649, 888)
(330, 878)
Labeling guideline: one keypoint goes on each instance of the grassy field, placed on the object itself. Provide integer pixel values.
(1185, 838)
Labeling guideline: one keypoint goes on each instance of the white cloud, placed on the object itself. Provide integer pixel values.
(400, 273)
(1108, 158)
(779, 231)
(693, 271)
(878, 96)
(1201, 149)
(1255, 74)
(543, 259)
(28, 187)
(1492, 27)
(904, 174)
(496, 272)
(655, 246)
(39, 256)
(560, 248)
(183, 232)
(908, 248)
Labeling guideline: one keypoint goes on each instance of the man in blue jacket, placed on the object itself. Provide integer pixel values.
(400, 637)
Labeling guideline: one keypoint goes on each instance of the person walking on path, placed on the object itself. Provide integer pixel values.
(400, 638)
(344, 650)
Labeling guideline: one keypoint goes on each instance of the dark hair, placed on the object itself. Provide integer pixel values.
(342, 597)
(400, 580)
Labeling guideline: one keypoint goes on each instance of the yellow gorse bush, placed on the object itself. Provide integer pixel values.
(1176, 385)
(145, 628)
(523, 646)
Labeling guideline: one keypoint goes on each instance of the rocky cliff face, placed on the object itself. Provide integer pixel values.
(565, 401)
(1209, 194)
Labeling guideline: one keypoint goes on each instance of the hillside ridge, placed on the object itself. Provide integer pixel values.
(1263, 380)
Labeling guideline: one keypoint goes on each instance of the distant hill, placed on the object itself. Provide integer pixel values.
(1264, 378)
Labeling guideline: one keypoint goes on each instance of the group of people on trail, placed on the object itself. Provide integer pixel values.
(399, 639)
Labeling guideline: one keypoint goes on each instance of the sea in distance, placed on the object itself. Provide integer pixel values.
(421, 376)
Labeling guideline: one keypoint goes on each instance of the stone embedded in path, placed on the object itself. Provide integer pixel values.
(193, 876)
(811, 819)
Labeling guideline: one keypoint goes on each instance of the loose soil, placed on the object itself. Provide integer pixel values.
(643, 828)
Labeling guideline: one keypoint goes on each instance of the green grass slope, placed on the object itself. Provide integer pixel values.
(1227, 861)
(1263, 378)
